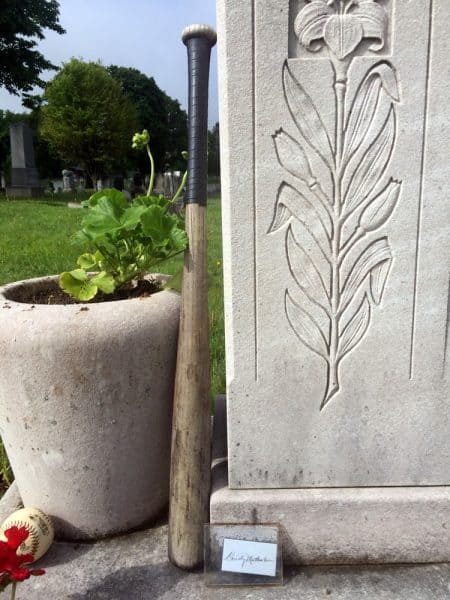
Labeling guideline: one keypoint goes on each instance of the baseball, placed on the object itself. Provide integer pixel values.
(39, 526)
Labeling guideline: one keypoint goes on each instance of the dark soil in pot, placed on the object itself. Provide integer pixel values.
(51, 293)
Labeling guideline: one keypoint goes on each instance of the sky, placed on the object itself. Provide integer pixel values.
(144, 34)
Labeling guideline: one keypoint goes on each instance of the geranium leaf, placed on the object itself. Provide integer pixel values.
(86, 261)
(104, 282)
(81, 289)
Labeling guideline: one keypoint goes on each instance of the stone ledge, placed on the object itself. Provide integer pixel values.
(344, 525)
(324, 526)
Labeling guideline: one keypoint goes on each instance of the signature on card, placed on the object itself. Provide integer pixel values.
(243, 556)
(247, 559)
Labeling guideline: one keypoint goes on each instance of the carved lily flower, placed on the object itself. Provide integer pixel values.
(341, 25)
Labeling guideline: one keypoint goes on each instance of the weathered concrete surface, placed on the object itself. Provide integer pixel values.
(86, 406)
(135, 567)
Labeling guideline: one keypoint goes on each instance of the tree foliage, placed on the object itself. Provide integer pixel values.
(87, 118)
(21, 26)
(214, 151)
(157, 112)
(149, 101)
(177, 134)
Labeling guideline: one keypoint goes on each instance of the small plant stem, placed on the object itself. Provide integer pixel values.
(152, 172)
(180, 188)
(166, 258)
(13, 590)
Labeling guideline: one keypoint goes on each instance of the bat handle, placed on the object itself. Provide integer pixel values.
(199, 39)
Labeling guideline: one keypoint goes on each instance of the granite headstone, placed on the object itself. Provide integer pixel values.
(24, 175)
(336, 213)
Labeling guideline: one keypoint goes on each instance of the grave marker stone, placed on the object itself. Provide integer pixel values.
(336, 213)
(24, 175)
(68, 180)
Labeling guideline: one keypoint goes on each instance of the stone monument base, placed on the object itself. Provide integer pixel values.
(23, 191)
(338, 525)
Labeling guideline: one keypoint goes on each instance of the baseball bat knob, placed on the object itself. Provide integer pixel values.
(199, 31)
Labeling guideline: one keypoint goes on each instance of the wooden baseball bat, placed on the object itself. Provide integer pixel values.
(191, 433)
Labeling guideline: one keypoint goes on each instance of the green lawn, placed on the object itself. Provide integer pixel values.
(35, 241)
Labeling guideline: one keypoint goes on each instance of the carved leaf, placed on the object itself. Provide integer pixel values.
(342, 34)
(378, 278)
(374, 255)
(281, 217)
(372, 165)
(305, 327)
(379, 210)
(306, 116)
(292, 157)
(355, 328)
(291, 203)
(380, 76)
(306, 273)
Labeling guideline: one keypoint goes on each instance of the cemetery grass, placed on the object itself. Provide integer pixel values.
(35, 241)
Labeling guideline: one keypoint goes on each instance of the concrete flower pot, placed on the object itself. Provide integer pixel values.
(85, 406)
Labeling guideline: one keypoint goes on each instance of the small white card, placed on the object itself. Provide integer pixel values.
(255, 558)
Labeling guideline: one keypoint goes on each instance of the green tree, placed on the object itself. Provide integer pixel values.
(160, 114)
(150, 103)
(21, 26)
(214, 151)
(87, 118)
(176, 135)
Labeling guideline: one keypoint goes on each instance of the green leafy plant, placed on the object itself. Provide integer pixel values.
(124, 241)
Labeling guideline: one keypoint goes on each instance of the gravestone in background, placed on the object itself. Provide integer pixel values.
(68, 180)
(336, 214)
(24, 175)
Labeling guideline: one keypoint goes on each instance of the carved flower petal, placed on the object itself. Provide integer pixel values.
(342, 34)
(373, 18)
(310, 23)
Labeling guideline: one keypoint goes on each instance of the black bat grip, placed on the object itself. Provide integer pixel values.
(199, 39)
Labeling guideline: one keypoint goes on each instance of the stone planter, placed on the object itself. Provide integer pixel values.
(85, 406)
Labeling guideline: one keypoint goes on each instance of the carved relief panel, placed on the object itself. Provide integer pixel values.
(336, 217)
(337, 287)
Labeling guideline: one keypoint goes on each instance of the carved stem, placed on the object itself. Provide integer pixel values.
(340, 88)
(350, 243)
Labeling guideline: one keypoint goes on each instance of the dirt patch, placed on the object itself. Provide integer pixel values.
(50, 293)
